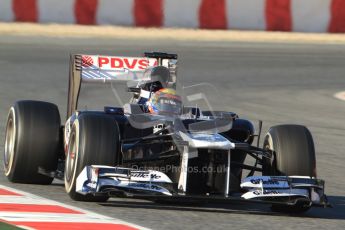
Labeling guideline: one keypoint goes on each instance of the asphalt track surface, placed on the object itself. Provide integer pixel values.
(278, 83)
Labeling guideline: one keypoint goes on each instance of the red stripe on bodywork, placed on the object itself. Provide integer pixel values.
(4, 192)
(278, 15)
(148, 13)
(73, 226)
(212, 14)
(25, 10)
(36, 208)
(337, 23)
(85, 11)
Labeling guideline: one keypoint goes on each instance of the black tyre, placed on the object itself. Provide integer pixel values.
(94, 140)
(32, 142)
(293, 152)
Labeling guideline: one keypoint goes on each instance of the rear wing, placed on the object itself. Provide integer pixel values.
(107, 69)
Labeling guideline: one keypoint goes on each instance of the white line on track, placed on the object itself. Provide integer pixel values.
(340, 95)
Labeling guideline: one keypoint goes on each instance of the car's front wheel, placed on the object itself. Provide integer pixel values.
(293, 154)
(94, 140)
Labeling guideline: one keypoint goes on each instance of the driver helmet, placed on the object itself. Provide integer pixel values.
(165, 101)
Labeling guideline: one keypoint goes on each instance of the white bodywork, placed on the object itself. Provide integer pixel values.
(209, 141)
(96, 68)
(91, 179)
(282, 186)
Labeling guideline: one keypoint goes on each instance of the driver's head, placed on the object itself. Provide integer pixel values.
(166, 102)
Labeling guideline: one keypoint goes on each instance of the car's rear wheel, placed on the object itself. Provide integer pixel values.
(32, 142)
(293, 154)
(94, 140)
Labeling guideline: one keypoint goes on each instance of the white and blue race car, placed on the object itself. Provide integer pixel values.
(156, 147)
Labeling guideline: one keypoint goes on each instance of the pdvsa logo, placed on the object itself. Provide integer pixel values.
(120, 63)
(87, 61)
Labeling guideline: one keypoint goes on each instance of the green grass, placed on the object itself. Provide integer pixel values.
(5, 226)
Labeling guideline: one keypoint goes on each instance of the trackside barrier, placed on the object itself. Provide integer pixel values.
(270, 15)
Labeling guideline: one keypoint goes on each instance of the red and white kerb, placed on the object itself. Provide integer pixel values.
(32, 212)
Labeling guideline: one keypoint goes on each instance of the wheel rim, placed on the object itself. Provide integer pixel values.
(71, 162)
(268, 167)
(9, 143)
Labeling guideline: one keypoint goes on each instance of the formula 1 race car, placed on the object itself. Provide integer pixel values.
(157, 147)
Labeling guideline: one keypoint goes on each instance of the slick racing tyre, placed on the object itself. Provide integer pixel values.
(32, 142)
(94, 140)
(293, 152)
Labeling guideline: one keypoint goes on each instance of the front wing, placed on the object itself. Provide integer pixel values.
(153, 185)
